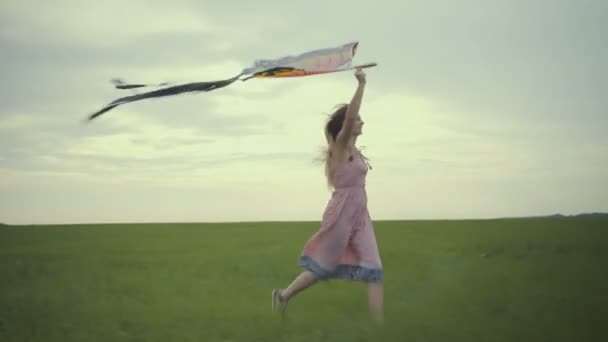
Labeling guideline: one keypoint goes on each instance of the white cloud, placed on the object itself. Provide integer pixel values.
(100, 23)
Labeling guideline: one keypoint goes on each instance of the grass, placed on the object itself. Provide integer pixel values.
(529, 279)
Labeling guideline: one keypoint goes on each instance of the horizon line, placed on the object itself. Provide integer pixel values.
(556, 215)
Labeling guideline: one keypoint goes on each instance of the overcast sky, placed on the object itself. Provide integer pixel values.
(477, 109)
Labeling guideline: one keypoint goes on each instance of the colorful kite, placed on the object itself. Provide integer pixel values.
(314, 62)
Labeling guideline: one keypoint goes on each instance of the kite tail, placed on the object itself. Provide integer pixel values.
(174, 90)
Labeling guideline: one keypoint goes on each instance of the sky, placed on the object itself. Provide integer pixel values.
(477, 109)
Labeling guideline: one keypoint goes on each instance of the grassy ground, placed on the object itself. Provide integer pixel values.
(486, 280)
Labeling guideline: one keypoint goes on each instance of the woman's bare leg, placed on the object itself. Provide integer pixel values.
(302, 281)
(376, 301)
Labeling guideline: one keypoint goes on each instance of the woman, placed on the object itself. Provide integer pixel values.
(345, 245)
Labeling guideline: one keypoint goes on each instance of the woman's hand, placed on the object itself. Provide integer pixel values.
(360, 75)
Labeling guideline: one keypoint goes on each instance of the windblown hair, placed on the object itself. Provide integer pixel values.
(335, 122)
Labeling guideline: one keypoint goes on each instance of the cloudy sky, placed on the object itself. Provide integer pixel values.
(477, 109)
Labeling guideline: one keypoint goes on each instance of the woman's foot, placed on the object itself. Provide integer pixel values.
(278, 302)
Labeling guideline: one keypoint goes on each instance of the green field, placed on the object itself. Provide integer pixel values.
(532, 279)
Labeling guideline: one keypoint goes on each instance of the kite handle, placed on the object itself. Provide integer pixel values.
(363, 66)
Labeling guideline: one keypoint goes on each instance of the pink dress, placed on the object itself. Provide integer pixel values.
(345, 245)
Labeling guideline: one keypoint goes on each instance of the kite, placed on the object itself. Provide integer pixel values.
(315, 62)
